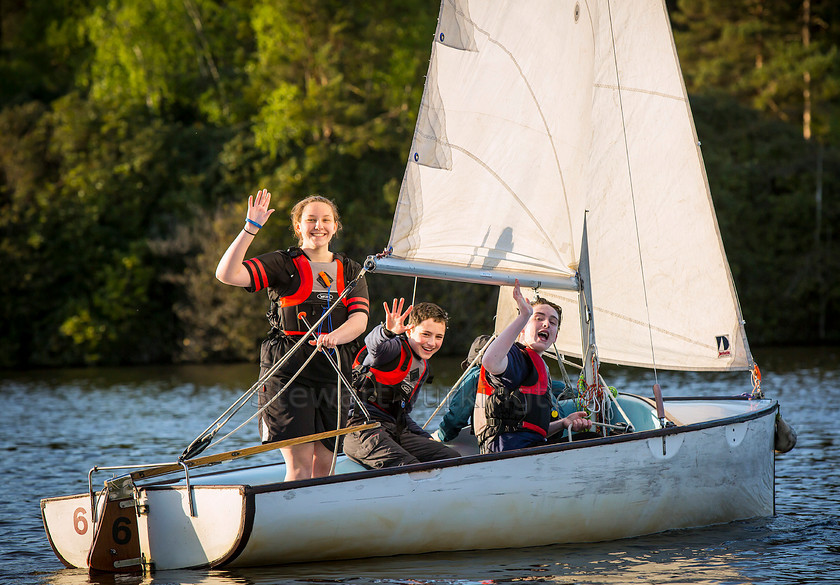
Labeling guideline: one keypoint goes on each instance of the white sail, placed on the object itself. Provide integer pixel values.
(537, 112)
(489, 107)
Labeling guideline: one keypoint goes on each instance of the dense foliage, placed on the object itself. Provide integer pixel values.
(132, 131)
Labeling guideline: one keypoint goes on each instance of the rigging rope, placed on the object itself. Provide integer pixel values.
(632, 194)
(338, 410)
(560, 360)
(337, 354)
(261, 409)
(339, 380)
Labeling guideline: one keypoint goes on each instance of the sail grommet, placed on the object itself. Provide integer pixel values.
(577, 11)
(441, 37)
(416, 157)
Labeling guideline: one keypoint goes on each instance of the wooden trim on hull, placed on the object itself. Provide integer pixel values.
(168, 468)
(468, 459)
(116, 544)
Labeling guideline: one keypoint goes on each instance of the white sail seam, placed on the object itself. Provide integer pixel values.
(654, 328)
(642, 91)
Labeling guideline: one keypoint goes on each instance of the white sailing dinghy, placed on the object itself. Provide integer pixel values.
(555, 145)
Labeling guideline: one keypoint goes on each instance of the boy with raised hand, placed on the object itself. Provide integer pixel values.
(512, 407)
(388, 373)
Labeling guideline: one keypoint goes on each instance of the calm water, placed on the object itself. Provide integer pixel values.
(55, 425)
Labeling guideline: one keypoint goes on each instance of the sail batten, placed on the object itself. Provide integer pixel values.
(541, 112)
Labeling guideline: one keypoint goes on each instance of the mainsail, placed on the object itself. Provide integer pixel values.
(537, 113)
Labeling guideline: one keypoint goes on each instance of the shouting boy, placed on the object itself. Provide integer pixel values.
(513, 407)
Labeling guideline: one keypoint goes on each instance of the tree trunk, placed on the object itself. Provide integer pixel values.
(806, 92)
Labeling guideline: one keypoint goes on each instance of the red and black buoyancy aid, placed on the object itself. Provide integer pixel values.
(506, 411)
(391, 387)
(284, 310)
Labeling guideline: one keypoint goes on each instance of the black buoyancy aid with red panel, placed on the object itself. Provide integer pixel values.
(391, 387)
(284, 310)
(527, 407)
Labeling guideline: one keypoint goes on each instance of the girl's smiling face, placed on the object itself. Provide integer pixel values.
(317, 225)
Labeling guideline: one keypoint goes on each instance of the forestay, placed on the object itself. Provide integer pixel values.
(536, 113)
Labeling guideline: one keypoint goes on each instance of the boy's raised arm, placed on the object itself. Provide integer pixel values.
(495, 358)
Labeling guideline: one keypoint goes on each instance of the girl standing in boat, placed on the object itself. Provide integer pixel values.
(305, 279)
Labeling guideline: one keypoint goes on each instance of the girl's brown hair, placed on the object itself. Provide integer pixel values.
(297, 212)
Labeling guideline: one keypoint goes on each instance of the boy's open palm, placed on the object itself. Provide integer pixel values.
(522, 303)
(395, 316)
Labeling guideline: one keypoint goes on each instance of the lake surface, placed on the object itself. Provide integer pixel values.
(57, 424)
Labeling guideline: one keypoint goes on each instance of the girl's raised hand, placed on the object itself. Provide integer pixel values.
(258, 210)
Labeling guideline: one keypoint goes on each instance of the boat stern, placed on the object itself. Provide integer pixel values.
(196, 527)
(69, 527)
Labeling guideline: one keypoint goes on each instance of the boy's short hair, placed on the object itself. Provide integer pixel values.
(542, 301)
(423, 311)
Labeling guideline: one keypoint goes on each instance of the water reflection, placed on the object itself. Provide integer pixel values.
(705, 556)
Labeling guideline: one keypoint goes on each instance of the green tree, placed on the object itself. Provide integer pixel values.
(41, 48)
(338, 86)
(185, 57)
(79, 225)
(776, 56)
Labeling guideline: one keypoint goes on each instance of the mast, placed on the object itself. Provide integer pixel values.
(593, 397)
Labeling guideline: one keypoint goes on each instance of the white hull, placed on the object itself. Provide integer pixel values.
(711, 471)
